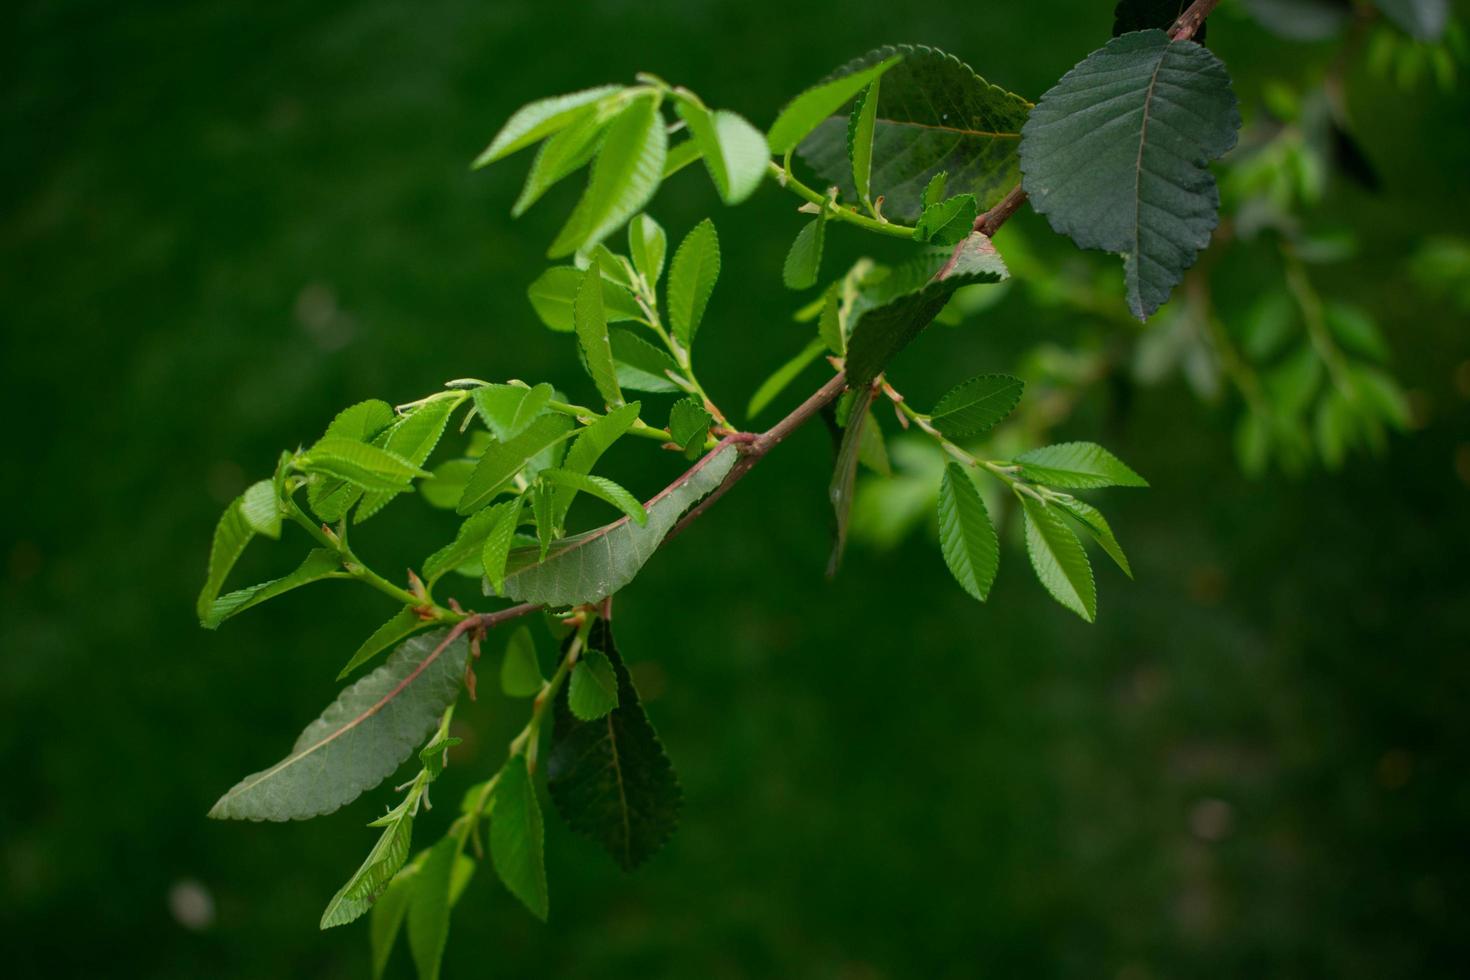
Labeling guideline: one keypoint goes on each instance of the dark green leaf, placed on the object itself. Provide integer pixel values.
(977, 405)
(517, 838)
(809, 109)
(966, 536)
(503, 460)
(844, 472)
(804, 260)
(593, 689)
(1096, 525)
(1058, 559)
(692, 278)
(625, 174)
(1078, 466)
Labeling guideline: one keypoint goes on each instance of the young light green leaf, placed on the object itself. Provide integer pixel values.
(600, 487)
(783, 376)
(405, 623)
(520, 673)
(692, 278)
(413, 438)
(610, 778)
(829, 321)
(517, 837)
(689, 424)
(647, 244)
(860, 126)
(934, 190)
(966, 536)
(330, 498)
(640, 365)
(592, 337)
(734, 151)
(593, 688)
(809, 109)
(372, 878)
(873, 450)
(680, 156)
(844, 473)
(561, 156)
(537, 120)
(543, 507)
(591, 566)
(948, 221)
(231, 535)
(1078, 466)
(508, 410)
(498, 539)
(1116, 155)
(976, 406)
(260, 505)
(360, 463)
(553, 295)
(1096, 525)
(372, 727)
(804, 260)
(320, 564)
(586, 450)
(503, 460)
(625, 174)
(1058, 559)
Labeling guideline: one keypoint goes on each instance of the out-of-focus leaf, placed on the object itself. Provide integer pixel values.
(520, 673)
(517, 837)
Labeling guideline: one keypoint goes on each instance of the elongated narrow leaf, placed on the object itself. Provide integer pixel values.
(933, 114)
(554, 292)
(625, 174)
(413, 438)
(498, 540)
(640, 365)
(405, 623)
(360, 463)
(537, 120)
(543, 508)
(231, 535)
(468, 543)
(977, 405)
(1092, 519)
(1117, 156)
(372, 727)
(592, 690)
(561, 156)
(680, 156)
(844, 473)
(1078, 466)
(517, 837)
(860, 128)
(647, 244)
(372, 878)
(588, 567)
(503, 460)
(320, 564)
(388, 913)
(1058, 559)
(691, 280)
(428, 908)
(600, 487)
(809, 109)
(588, 448)
(520, 673)
(782, 377)
(610, 779)
(734, 151)
(884, 330)
(804, 260)
(966, 536)
(591, 322)
(689, 424)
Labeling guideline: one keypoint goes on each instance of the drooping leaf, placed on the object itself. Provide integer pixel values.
(844, 472)
(503, 460)
(640, 365)
(812, 107)
(372, 727)
(231, 535)
(947, 222)
(884, 330)
(1140, 15)
(610, 779)
(591, 322)
(966, 536)
(359, 463)
(829, 321)
(320, 563)
(734, 151)
(372, 878)
(591, 566)
(413, 438)
(689, 424)
(468, 543)
(1423, 20)
(692, 278)
(588, 448)
(1078, 466)
(977, 405)
(1096, 525)
(804, 260)
(860, 129)
(428, 908)
(543, 506)
(592, 690)
(388, 913)
(520, 673)
(933, 114)
(496, 548)
(554, 293)
(1058, 559)
(434, 755)
(782, 377)
(537, 120)
(647, 244)
(561, 156)
(1116, 155)
(873, 449)
(626, 172)
(517, 837)
(599, 487)
(680, 156)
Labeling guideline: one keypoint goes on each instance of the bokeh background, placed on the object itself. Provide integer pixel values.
(222, 221)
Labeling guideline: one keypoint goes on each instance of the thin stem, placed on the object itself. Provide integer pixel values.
(588, 416)
(786, 179)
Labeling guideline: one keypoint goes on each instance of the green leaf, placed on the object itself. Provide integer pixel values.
(592, 338)
(413, 438)
(1117, 156)
(600, 487)
(783, 376)
(537, 120)
(1355, 329)
(809, 109)
(372, 878)
(330, 498)
(429, 906)
(543, 503)
(934, 190)
(933, 114)
(231, 535)
(804, 260)
(689, 424)
(692, 278)
(977, 405)
(966, 536)
(844, 473)
(884, 330)
(647, 244)
(734, 151)
(433, 755)
(503, 460)
(517, 838)
(403, 625)
(610, 779)
(1383, 393)
(948, 221)
(387, 917)
(1096, 525)
(360, 463)
(372, 727)
(554, 294)
(561, 156)
(680, 156)
(593, 688)
(591, 566)
(829, 321)
(1077, 466)
(508, 410)
(320, 564)
(1140, 15)
(498, 540)
(1423, 20)
(468, 543)
(640, 365)
(1059, 560)
(260, 505)
(588, 448)
(873, 450)
(860, 126)
(520, 673)
(625, 174)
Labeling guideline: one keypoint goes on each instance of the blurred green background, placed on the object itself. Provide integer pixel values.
(222, 221)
